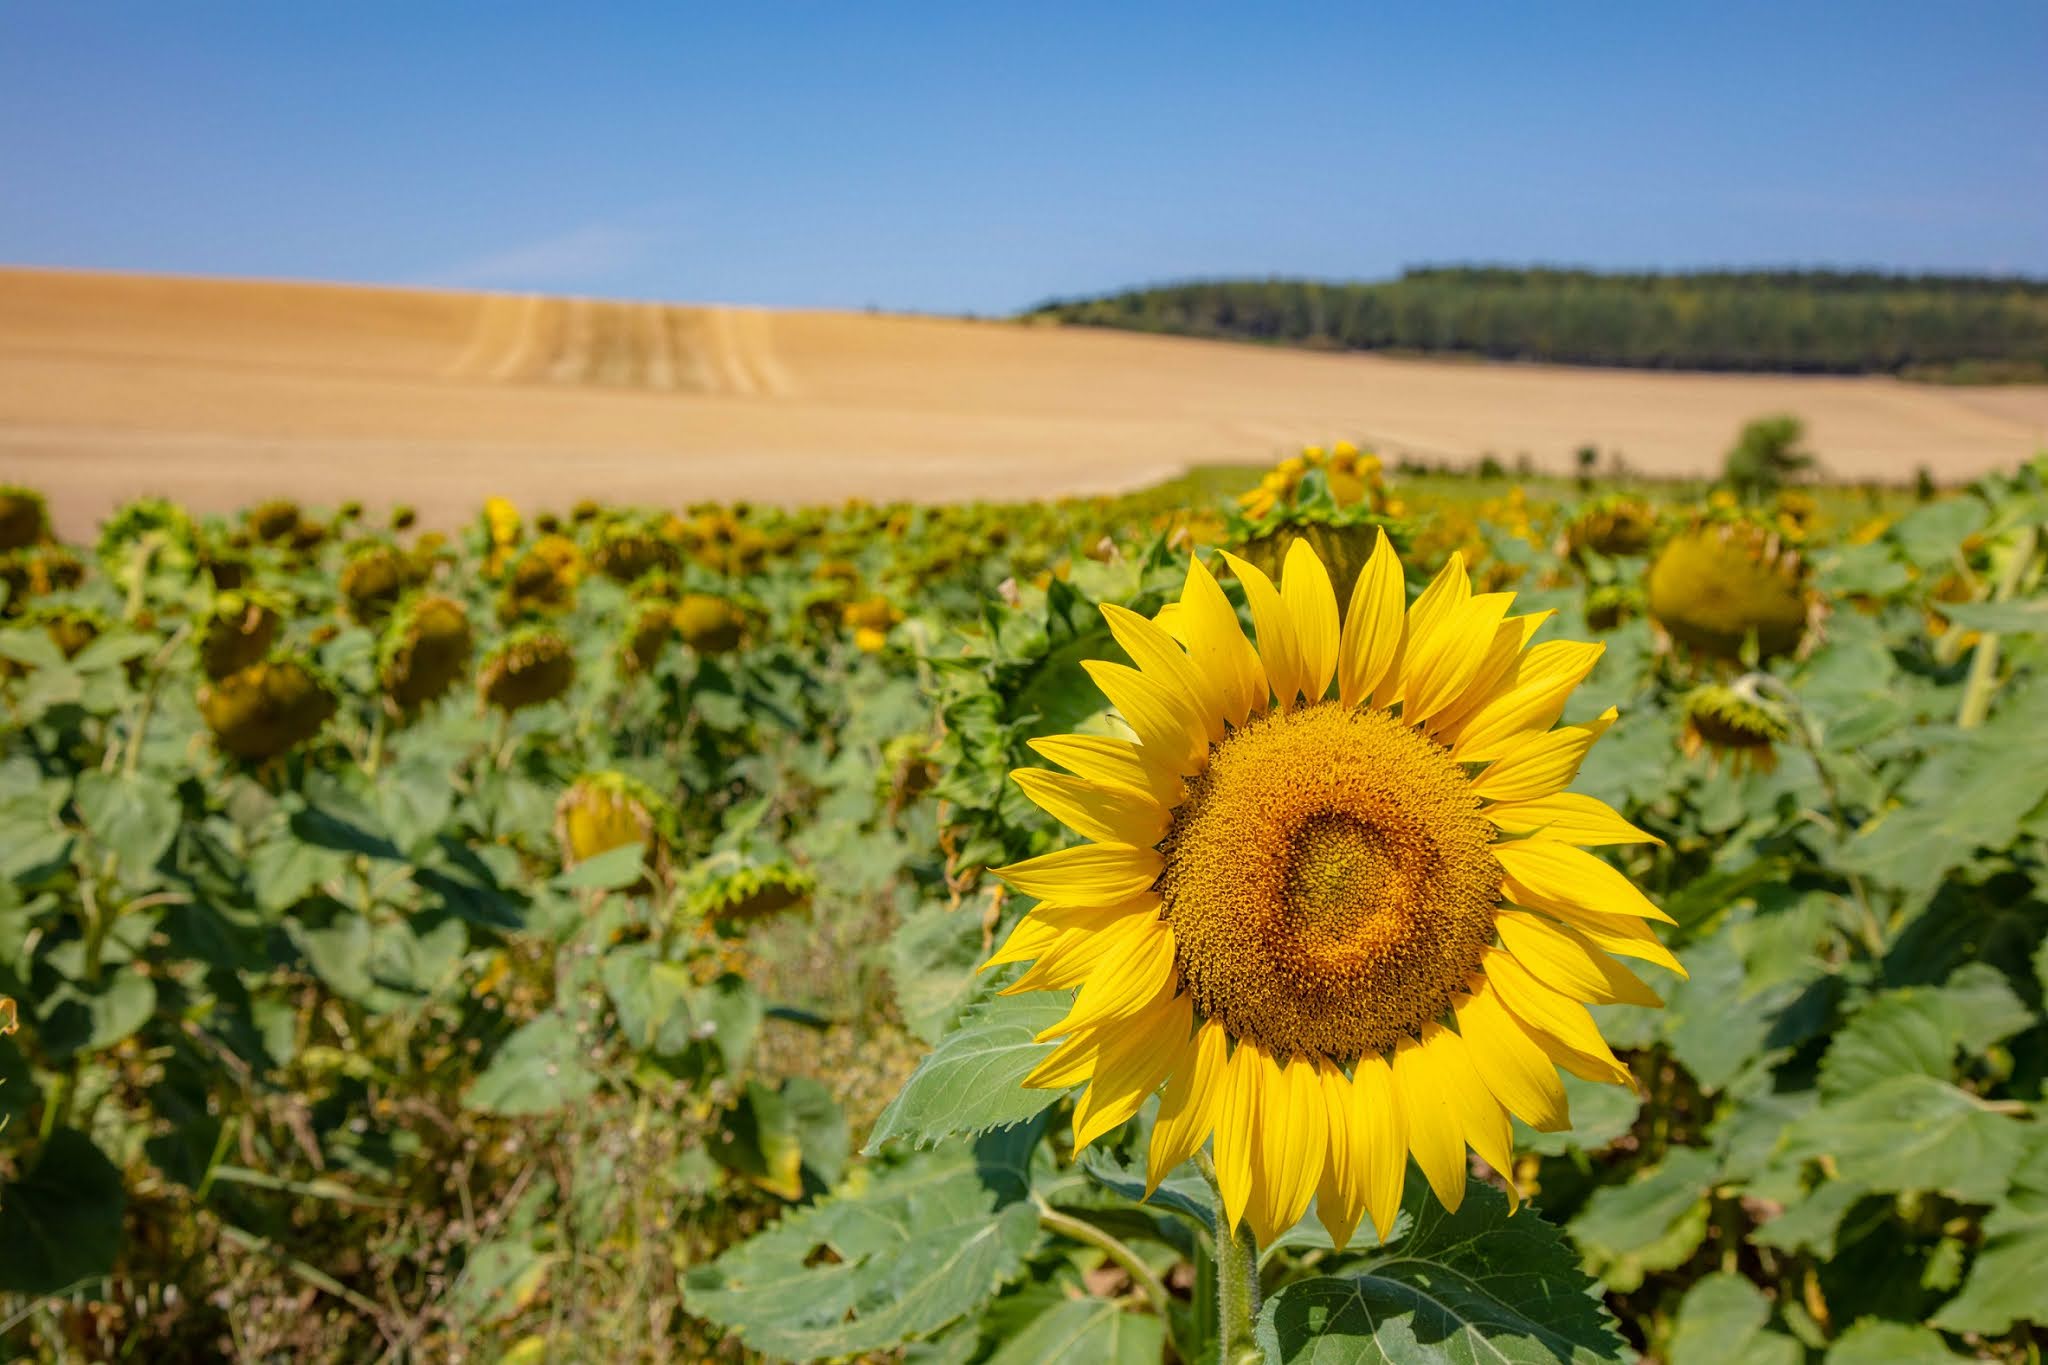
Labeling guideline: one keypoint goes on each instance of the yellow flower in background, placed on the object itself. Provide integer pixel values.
(1335, 899)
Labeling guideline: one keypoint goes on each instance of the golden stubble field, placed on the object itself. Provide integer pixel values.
(219, 392)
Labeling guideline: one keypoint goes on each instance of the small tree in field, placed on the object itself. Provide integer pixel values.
(1767, 455)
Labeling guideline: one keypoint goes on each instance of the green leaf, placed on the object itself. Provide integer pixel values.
(1723, 1321)
(1654, 1222)
(60, 1225)
(1813, 1222)
(1914, 1133)
(1601, 1114)
(1932, 536)
(1085, 1330)
(612, 870)
(2004, 618)
(652, 1001)
(538, 1070)
(2005, 1283)
(729, 1014)
(78, 1018)
(932, 957)
(1475, 1285)
(284, 871)
(1183, 1191)
(1917, 1030)
(414, 799)
(498, 1280)
(879, 1263)
(1874, 1342)
(973, 1080)
(132, 816)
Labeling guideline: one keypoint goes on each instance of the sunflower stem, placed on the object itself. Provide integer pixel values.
(1237, 1280)
(1984, 663)
(1127, 1260)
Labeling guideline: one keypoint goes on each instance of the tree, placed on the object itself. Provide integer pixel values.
(1767, 456)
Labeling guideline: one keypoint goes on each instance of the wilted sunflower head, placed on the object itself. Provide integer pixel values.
(24, 517)
(1335, 899)
(1611, 605)
(602, 811)
(275, 519)
(373, 580)
(425, 650)
(709, 625)
(527, 668)
(156, 521)
(266, 709)
(732, 897)
(1733, 724)
(1716, 586)
(239, 631)
(652, 627)
(1617, 524)
(627, 551)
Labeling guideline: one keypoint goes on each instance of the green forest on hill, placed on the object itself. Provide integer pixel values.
(1955, 328)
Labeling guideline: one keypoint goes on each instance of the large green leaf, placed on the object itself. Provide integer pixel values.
(651, 999)
(1917, 1030)
(2006, 1282)
(1872, 1342)
(885, 1260)
(538, 1070)
(1475, 1285)
(1914, 1133)
(1654, 1222)
(131, 815)
(973, 1080)
(1092, 1330)
(60, 1225)
(1723, 1321)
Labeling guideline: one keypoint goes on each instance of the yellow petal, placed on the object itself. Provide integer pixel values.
(1123, 983)
(1071, 1063)
(1496, 671)
(1187, 1111)
(1086, 874)
(1372, 624)
(1379, 1128)
(1312, 608)
(1235, 1116)
(1164, 720)
(1340, 1193)
(1435, 1137)
(1541, 684)
(1478, 1114)
(1541, 765)
(1112, 762)
(1560, 1026)
(1449, 589)
(1029, 937)
(1619, 934)
(1075, 953)
(1291, 1137)
(1217, 647)
(1514, 1068)
(1569, 818)
(1173, 621)
(1161, 660)
(1277, 654)
(1112, 815)
(1543, 873)
(1443, 665)
(1566, 962)
(1135, 1059)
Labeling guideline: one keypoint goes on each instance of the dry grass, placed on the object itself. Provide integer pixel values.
(219, 392)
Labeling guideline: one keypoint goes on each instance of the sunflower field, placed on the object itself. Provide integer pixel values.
(1291, 915)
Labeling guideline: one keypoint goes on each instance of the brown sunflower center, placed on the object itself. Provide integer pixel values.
(1329, 881)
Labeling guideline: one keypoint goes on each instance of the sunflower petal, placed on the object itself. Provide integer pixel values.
(1620, 935)
(1277, 653)
(1340, 1193)
(1235, 1116)
(1110, 762)
(1290, 1145)
(1479, 1116)
(1135, 1059)
(1543, 680)
(1078, 950)
(1444, 662)
(1069, 1064)
(1159, 658)
(1123, 983)
(1312, 608)
(1569, 818)
(1543, 873)
(1497, 668)
(1372, 624)
(1217, 645)
(1541, 765)
(1517, 1071)
(1379, 1127)
(1086, 874)
(1449, 589)
(1029, 937)
(1558, 1025)
(1566, 962)
(1111, 815)
(1187, 1111)
(1435, 1137)
(1163, 719)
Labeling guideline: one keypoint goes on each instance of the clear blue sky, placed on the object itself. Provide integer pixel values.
(981, 157)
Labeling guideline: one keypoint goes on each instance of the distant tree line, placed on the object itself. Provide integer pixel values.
(1955, 327)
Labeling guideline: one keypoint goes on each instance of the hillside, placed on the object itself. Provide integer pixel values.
(1946, 327)
(221, 391)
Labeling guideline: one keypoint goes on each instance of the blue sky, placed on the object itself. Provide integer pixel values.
(981, 157)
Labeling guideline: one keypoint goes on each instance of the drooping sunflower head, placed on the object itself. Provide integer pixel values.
(425, 650)
(276, 519)
(1617, 524)
(1717, 586)
(627, 551)
(24, 517)
(710, 625)
(374, 578)
(529, 667)
(602, 811)
(1336, 900)
(1735, 725)
(267, 708)
(731, 897)
(239, 631)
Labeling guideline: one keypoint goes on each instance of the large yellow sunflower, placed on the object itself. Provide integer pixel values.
(1336, 900)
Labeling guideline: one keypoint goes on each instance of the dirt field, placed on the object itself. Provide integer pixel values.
(224, 392)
